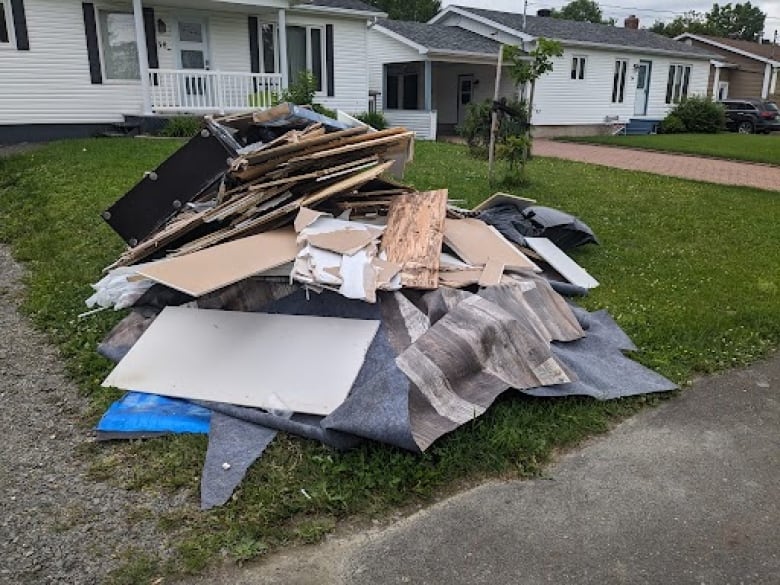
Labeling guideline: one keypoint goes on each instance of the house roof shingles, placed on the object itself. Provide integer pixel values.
(440, 38)
(767, 51)
(587, 32)
(344, 5)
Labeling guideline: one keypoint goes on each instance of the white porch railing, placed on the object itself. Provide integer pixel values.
(199, 91)
(421, 122)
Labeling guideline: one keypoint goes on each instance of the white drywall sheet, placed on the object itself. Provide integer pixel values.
(299, 363)
(561, 262)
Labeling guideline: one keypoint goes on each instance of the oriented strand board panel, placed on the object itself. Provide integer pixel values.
(561, 262)
(290, 362)
(414, 234)
(476, 242)
(207, 270)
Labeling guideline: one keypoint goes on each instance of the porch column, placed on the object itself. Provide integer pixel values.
(282, 26)
(143, 57)
(715, 82)
(767, 80)
(428, 85)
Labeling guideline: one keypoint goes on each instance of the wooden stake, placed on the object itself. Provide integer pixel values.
(494, 117)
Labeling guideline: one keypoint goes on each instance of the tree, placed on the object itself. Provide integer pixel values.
(692, 22)
(419, 10)
(742, 21)
(583, 11)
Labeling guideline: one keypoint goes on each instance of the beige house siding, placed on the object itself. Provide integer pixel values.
(746, 80)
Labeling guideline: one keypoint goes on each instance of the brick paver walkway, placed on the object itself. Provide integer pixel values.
(673, 165)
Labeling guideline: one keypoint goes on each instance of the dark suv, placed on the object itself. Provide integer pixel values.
(747, 116)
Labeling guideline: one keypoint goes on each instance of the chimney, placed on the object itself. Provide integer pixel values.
(544, 12)
(631, 22)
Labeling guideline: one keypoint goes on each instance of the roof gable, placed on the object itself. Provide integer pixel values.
(758, 51)
(437, 38)
(584, 33)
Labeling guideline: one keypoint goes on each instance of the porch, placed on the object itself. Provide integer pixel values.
(431, 97)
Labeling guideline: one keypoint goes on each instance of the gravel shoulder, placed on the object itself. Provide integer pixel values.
(57, 525)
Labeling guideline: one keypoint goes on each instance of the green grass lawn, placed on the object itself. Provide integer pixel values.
(688, 269)
(748, 147)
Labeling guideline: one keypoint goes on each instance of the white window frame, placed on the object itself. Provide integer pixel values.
(324, 63)
(619, 90)
(677, 94)
(9, 24)
(578, 64)
(275, 37)
(99, 24)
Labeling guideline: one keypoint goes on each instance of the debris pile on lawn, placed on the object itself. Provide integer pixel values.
(282, 280)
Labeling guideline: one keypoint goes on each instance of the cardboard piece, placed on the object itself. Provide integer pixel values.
(347, 241)
(561, 262)
(284, 362)
(414, 234)
(476, 242)
(207, 270)
(505, 199)
(491, 275)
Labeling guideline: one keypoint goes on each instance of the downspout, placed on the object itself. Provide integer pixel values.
(143, 57)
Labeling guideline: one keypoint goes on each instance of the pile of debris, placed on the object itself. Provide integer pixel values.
(291, 283)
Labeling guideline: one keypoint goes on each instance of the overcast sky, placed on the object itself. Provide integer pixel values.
(648, 11)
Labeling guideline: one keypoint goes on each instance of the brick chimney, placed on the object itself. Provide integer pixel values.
(631, 22)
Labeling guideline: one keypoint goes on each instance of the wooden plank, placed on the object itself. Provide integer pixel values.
(414, 234)
(491, 275)
(562, 263)
(208, 270)
(476, 242)
(345, 185)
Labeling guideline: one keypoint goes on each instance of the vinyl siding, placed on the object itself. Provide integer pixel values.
(50, 84)
(383, 49)
(560, 100)
(445, 87)
(746, 80)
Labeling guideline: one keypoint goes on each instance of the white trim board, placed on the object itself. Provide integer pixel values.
(561, 262)
(287, 362)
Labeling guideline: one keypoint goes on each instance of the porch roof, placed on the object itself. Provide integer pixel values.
(439, 39)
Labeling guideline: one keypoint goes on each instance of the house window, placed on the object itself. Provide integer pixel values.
(5, 23)
(268, 48)
(578, 67)
(306, 52)
(117, 42)
(677, 84)
(403, 87)
(619, 81)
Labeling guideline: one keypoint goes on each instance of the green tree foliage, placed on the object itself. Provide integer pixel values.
(419, 10)
(692, 22)
(583, 11)
(741, 21)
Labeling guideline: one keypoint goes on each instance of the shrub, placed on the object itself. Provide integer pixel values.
(302, 90)
(700, 115)
(264, 99)
(476, 126)
(320, 109)
(181, 127)
(374, 119)
(672, 125)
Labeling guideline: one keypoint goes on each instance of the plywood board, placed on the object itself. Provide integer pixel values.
(561, 262)
(414, 234)
(491, 275)
(207, 270)
(299, 363)
(476, 242)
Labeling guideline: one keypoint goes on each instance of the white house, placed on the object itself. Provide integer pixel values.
(69, 68)
(607, 74)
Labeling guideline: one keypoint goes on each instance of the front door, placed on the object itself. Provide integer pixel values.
(465, 95)
(642, 88)
(192, 54)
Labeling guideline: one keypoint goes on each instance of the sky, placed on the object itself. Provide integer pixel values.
(648, 11)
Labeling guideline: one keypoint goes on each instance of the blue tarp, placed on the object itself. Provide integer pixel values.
(137, 412)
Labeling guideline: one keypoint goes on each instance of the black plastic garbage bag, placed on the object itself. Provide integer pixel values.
(564, 230)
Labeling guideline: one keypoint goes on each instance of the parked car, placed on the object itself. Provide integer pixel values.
(747, 116)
